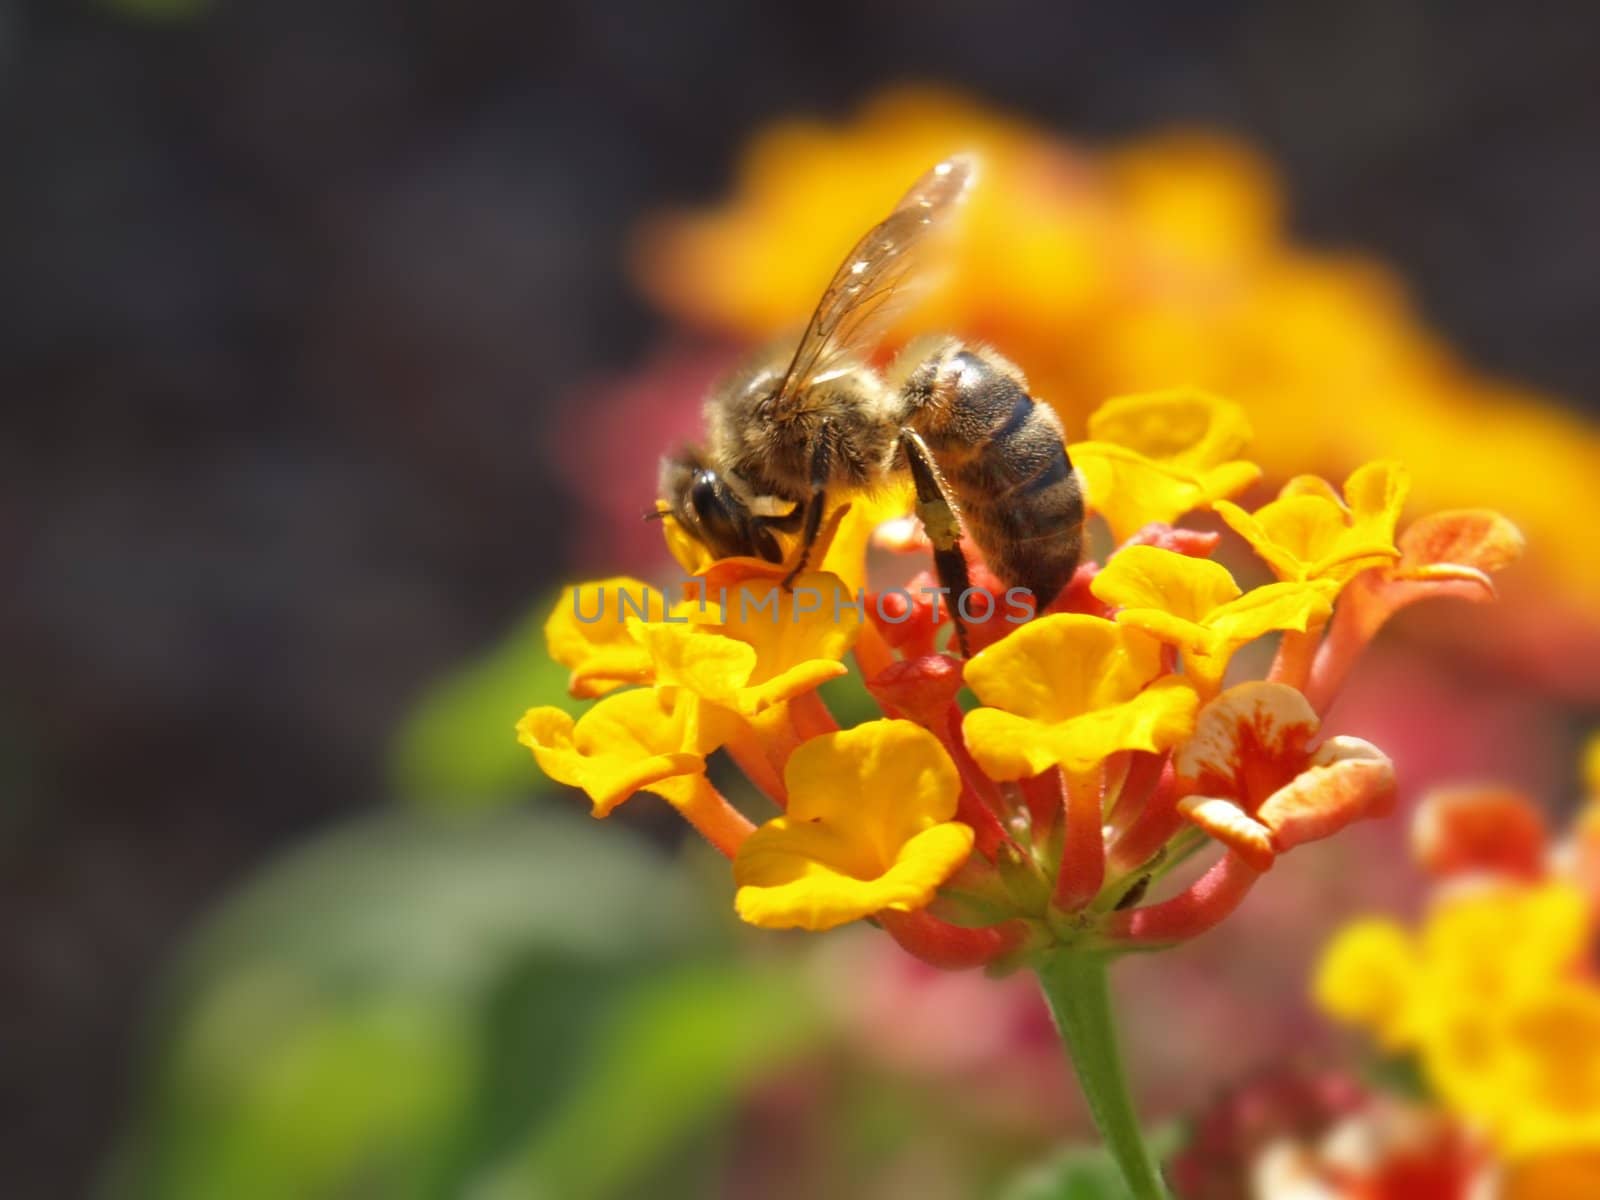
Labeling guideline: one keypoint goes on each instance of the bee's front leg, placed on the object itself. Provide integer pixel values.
(815, 505)
(942, 521)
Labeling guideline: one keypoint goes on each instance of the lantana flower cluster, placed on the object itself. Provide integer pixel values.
(1102, 271)
(1030, 797)
(1496, 996)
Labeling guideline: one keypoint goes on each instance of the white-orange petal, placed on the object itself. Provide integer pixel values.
(1233, 827)
(1347, 779)
(1268, 724)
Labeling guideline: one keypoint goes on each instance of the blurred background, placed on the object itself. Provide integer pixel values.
(307, 311)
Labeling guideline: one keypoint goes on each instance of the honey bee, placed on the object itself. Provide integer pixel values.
(794, 427)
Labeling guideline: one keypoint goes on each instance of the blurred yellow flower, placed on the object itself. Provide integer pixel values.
(1494, 998)
(1368, 976)
(870, 826)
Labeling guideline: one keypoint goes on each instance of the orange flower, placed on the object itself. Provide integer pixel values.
(1250, 779)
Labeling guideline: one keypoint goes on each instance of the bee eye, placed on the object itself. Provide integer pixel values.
(714, 509)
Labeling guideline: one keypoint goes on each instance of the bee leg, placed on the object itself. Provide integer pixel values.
(814, 506)
(939, 518)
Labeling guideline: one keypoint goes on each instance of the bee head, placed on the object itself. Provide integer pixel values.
(712, 512)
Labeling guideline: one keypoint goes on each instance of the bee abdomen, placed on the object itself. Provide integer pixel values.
(1005, 458)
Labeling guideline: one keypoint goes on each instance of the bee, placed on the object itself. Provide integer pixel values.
(794, 427)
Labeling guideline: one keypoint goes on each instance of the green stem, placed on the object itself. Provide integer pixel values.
(1074, 984)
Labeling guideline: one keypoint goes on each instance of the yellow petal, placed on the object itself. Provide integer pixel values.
(784, 887)
(846, 556)
(1288, 533)
(1368, 976)
(1195, 640)
(1062, 666)
(1149, 577)
(1154, 720)
(690, 552)
(869, 827)
(1184, 427)
(756, 644)
(1195, 605)
(588, 633)
(1010, 747)
(1157, 456)
(1498, 942)
(1308, 534)
(1551, 1066)
(1129, 490)
(1296, 606)
(1311, 485)
(1375, 493)
(708, 664)
(1225, 480)
(628, 742)
(817, 621)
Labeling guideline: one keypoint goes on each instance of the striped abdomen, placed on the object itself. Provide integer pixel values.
(1005, 459)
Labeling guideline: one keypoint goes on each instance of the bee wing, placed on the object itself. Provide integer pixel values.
(867, 290)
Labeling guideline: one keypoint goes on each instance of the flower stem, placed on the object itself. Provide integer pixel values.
(1074, 983)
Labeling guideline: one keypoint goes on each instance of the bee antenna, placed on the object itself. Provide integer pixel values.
(656, 514)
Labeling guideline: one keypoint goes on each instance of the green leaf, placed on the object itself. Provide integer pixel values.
(672, 1059)
(409, 1006)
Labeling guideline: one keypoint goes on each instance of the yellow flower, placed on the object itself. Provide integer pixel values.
(588, 633)
(1071, 690)
(1309, 534)
(1367, 977)
(642, 738)
(1157, 456)
(869, 827)
(1552, 1068)
(1498, 945)
(754, 644)
(1492, 998)
(1194, 604)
